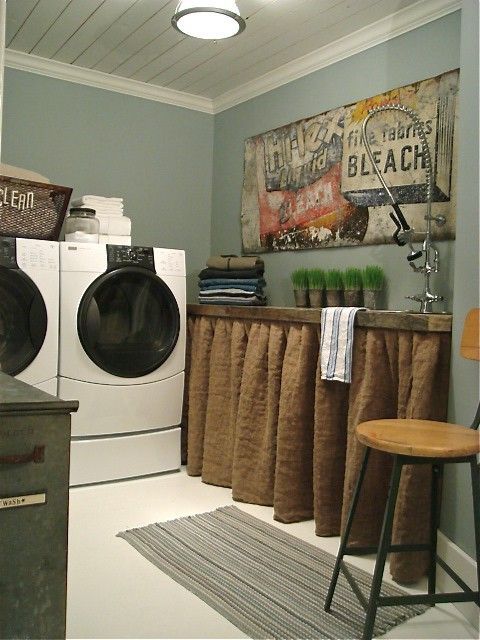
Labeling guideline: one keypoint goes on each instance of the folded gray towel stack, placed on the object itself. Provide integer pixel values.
(232, 280)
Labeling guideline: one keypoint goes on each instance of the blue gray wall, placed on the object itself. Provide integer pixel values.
(414, 56)
(437, 47)
(158, 157)
(457, 521)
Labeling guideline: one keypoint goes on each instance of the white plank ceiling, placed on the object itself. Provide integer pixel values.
(134, 39)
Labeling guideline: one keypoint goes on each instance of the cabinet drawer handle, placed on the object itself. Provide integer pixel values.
(37, 455)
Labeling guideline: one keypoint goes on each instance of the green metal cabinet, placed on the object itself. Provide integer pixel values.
(34, 474)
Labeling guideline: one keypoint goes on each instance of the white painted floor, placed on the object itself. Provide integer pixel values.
(113, 592)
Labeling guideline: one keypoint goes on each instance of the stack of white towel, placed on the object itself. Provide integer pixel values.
(115, 228)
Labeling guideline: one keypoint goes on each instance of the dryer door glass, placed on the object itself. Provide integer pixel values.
(23, 321)
(128, 322)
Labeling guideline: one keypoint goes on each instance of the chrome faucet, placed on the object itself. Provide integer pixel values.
(404, 233)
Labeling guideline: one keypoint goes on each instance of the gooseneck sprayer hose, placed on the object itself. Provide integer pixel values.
(428, 171)
(427, 298)
(423, 141)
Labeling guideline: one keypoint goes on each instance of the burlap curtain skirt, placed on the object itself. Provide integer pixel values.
(261, 421)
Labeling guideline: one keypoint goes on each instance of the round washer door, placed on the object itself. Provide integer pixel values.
(23, 321)
(128, 322)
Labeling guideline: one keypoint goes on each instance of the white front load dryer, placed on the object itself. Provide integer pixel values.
(122, 355)
(29, 311)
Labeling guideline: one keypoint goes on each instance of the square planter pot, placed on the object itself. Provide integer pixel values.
(316, 297)
(371, 298)
(301, 297)
(334, 297)
(353, 297)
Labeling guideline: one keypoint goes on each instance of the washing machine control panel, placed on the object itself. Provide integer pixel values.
(120, 256)
(37, 255)
(8, 252)
(170, 262)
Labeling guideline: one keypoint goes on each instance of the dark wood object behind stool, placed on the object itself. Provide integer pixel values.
(416, 442)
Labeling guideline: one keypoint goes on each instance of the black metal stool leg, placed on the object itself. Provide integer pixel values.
(437, 473)
(476, 514)
(385, 541)
(346, 533)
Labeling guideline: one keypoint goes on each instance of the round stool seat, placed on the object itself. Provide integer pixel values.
(422, 438)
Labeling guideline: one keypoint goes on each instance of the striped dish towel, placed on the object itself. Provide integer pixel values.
(337, 343)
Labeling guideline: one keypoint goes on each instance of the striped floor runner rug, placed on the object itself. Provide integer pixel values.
(266, 582)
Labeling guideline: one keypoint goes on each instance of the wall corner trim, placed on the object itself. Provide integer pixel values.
(465, 567)
(402, 21)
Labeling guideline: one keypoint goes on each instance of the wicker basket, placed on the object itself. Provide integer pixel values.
(32, 209)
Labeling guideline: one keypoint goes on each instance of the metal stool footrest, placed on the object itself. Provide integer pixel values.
(453, 575)
(467, 595)
(428, 598)
(397, 548)
(355, 588)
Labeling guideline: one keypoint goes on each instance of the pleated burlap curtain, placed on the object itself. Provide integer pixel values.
(261, 421)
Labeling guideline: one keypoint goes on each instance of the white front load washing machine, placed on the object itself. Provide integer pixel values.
(29, 311)
(122, 355)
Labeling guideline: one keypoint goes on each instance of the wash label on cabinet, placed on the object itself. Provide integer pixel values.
(11, 502)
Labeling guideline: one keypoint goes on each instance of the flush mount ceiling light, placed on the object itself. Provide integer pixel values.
(210, 20)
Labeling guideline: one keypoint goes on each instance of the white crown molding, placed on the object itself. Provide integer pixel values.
(381, 31)
(100, 80)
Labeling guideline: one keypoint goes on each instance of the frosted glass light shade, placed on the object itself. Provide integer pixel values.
(209, 20)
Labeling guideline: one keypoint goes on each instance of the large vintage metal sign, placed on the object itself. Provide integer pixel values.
(310, 184)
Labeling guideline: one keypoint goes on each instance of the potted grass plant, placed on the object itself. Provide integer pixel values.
(333, 287)
(373, 280)
(299, 279)
(316, 285)
(352, 285)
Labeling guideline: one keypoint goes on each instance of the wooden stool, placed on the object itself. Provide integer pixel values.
(415, 442)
